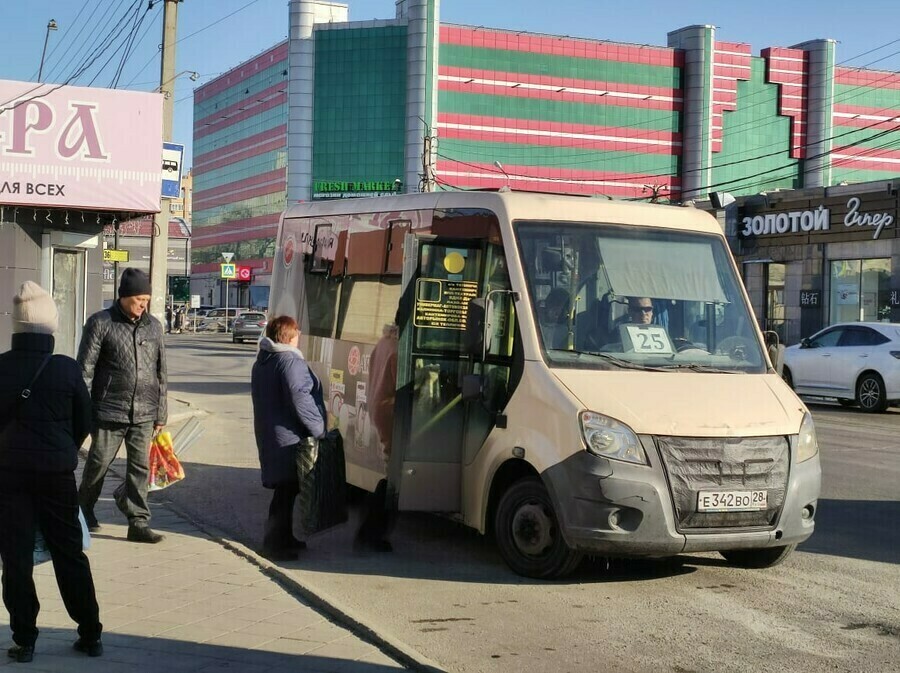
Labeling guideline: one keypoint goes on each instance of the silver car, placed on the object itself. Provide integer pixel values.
(856, 363)
(249, 325)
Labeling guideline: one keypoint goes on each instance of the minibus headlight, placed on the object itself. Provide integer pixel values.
(807, 445)
(607, 437)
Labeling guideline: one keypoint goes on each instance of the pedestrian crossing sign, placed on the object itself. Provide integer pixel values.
(228, 271)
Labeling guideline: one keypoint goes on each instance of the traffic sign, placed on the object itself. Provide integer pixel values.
(228, 256)
(179, 288)
(110, 255)
(229, 271)
(244, 273)
(172, 156)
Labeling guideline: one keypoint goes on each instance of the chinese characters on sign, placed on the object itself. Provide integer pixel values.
(895, 297)
(810, 298)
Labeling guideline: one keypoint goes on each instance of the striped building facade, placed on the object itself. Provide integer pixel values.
(346, 109)
(240, 160)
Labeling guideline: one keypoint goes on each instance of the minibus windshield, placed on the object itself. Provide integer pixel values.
(632, 298)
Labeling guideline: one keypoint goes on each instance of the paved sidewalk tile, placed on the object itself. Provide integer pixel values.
(188, 604)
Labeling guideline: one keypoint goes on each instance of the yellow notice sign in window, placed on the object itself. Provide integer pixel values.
(110, 255)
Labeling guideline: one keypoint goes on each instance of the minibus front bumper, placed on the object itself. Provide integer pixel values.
(615, 508)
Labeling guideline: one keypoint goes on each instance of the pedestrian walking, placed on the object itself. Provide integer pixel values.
(179, 320)
(122, 357)
(45, 415)
(288, 416)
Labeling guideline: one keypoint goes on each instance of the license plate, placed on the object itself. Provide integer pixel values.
(732, 501)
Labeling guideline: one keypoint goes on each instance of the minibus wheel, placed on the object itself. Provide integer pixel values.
(758, 558)
(788, 378)
(528, 532)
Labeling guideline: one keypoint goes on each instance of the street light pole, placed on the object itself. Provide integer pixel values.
(50, 26)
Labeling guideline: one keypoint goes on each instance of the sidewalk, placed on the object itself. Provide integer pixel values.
(188, 604)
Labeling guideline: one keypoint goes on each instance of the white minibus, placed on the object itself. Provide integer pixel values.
(574, 375)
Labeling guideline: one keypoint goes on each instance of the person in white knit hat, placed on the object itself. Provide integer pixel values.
(40, 433)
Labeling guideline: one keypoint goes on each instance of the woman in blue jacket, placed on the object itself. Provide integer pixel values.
(288, 409)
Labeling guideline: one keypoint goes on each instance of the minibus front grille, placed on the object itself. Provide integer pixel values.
(695, 464)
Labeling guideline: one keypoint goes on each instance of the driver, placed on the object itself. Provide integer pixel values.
(640, 311)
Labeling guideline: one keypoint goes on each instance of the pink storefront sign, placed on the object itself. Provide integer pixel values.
(78, 147)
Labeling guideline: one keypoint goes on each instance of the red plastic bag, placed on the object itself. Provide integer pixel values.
(165, 468)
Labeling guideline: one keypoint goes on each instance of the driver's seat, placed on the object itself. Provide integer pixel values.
(592, 325)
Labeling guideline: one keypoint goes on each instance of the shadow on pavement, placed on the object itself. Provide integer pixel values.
(860, 529)
(158, 654)
(426, 546)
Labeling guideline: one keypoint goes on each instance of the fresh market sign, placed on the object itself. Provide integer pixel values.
(797, 221)
(337, 189)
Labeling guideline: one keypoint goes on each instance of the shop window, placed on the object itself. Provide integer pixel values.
(68, 284)
(860, 290)
(775, 317)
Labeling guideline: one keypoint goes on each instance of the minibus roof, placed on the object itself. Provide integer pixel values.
(522, 206)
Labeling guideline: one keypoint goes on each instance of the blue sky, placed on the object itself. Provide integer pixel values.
(216, 35)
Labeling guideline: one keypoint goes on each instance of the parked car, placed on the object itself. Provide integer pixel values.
(249, 325)
(856, 363)
(201, 311)
(214, 320)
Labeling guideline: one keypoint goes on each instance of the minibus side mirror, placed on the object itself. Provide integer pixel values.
(775, 349)
(778, 360)
(474, 336)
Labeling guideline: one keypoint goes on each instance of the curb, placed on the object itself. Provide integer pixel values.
(340, 614)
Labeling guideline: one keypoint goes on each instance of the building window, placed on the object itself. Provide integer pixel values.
(860, 290)
(775, 318)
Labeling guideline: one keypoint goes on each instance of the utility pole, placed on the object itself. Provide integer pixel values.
(159, 239)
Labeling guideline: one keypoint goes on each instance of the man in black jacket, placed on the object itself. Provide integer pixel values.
(40, 435)
(123, 360)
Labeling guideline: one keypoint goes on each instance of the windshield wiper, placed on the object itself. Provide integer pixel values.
(694, 367)
(611, 359)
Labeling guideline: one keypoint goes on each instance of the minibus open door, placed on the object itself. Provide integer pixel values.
(440, 277)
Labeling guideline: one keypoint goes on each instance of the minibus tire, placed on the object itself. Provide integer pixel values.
(558, 559)
(758, 558)
(788, 377)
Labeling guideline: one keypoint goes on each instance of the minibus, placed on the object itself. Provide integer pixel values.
(575, 375)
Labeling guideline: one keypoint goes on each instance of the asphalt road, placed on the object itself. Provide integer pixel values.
(833, 606)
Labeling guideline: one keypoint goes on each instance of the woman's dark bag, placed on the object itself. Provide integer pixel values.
(323, 482)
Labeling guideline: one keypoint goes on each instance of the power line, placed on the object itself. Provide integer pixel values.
(68, 32)
(85, 60)
(217, 21)
(113, 52)
(129, 49)
(85, 64)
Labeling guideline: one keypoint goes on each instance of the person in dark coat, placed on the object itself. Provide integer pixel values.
(376, 516)
(40, 435)
(123, 359)
(288, 409)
